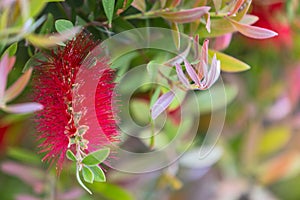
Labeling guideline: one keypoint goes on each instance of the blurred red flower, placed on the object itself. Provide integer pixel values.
(272, 16)
(3, 130)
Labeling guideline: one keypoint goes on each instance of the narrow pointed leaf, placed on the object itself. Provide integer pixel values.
(15, 90)
(221, 26)
(163, 3)
(228, 63)
(109, 7)
(196, 47)
(96, 157)
(176, 35)
(80, 182)
(242, 12)
(204, 52)
(174, 3)
(155, 96)
(99, 175)
(192, 73)
(253, 31)
(217, 4)
(236, 7)
(182, 78)
(23, 108)
(214, 72)
(71, 156)
(87, 174)
(249, 19)
(179, 58)
(12, 49)
(4, 70)
(185, 16)
(161, 104)
(207, 19)
(222, 42)
(47, 26)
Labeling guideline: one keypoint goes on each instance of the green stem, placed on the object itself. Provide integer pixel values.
(214, 14)
(145, 15)
(152, 139)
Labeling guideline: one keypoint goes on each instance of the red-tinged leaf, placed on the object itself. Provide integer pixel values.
(185, 16)
(201, 67)
(174, 3)
(236, 7)
(221, 26)
(278, 167)
(242, 12)
(6, 64)
(176, 35)
(23, 108)
(179, 58)
(192, 73)
(214, 71)
(207, 20)
(161, 104)
(196, 47)
(249, 19)
(204, 51)
(222, 42)
(252, 31)
(14, 90)
(182, 78)
(139, 4)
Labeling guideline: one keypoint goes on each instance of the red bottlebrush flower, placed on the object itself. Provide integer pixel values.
(55, 82)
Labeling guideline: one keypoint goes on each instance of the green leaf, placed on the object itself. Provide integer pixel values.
(120, 5)
(274, 139)
(71, 156)
(180, 96)
(217, 97)
(87, 174)
(79, 21)
(12, 49)
(47, 26)
(54, 0)
(2, 46)
(99, 175)
(62, 25)
(80, 182)
(96, 157)
(140, 112)
(228, 63)
(155, 96)
(176, 34)
(36, 7)
(108, 6)
(111, 192)
(33, 61)
(24, 155)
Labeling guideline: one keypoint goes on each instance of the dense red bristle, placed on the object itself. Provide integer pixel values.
(54, 80)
